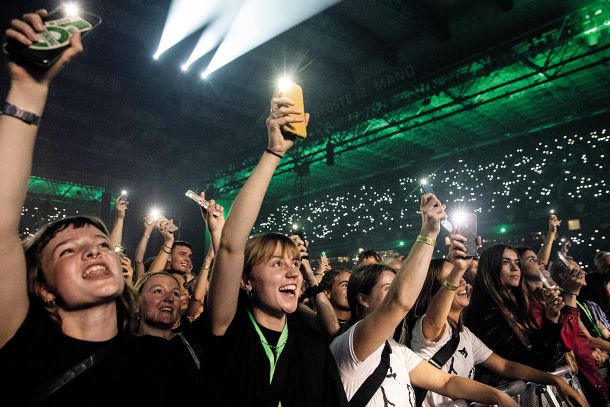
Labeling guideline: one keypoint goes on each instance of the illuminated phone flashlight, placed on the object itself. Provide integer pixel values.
(284, 83)
(155, 214)
(423, 181)
(71, 9)
(124, 192)
(458, 217)
(552, 211)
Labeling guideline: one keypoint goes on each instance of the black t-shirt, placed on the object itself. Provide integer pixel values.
(140, 370)
(236, 368)
(272, 337)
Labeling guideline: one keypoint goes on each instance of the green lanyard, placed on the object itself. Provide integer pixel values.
(590, 317)
(274, 355)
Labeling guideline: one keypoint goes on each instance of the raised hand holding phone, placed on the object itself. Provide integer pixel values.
(466, 225)
(163, 224)
(426, 188)
(52, 35)
(294, 92)
(281, 113)
(201, 202)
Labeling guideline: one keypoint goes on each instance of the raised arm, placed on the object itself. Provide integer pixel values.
(149, 226)
(324, 318)
(438, 309)
(545, 251)
(228, 267)
(163, 226)
(28, 91)
(373, 330)
(201, 286)
(214, 225)
(120, 207)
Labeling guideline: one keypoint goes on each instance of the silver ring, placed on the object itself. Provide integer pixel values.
(273, 115)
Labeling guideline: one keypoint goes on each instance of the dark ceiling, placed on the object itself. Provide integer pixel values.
(126, 118)
(388, 82)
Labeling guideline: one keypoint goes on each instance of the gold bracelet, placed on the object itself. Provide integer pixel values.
(426, 240)
(450, 286)
(205, 267)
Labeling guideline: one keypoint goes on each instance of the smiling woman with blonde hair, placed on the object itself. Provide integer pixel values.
(259, 354)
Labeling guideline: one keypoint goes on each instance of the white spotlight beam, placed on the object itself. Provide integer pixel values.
(184, 18)
(258, 21)
(216, 31)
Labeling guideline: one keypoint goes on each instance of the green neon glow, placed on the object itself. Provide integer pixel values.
(64, 190)
(484, 86)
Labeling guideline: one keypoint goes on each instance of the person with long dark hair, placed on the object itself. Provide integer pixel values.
(499, 313)
(379, 299)
(444, 297)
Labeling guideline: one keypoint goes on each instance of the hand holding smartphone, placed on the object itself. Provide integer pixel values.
(323, 259)
(294, 92)
(544, 280)
(120, 250)
(564, 260)
(161, 218)
(201, 202)
(467, 227)
(59, 25)
(426, 188)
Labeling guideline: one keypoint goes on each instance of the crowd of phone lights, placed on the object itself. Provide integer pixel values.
(485, 187)
(371, 208)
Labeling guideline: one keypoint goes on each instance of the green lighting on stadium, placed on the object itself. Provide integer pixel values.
(64, 190)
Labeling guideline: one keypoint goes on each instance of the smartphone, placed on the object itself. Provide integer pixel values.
(59, 24)
(201, 202)
(172, 228)
(564, 260)
(544, 280)
(467, 227)
(295, 92)
(120, 250)
(427, 189)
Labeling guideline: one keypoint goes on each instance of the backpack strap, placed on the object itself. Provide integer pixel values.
(72, 373)
(369, 387)
(438, 360)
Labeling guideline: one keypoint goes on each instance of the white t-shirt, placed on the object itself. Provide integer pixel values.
(395, 390)
(470, 351)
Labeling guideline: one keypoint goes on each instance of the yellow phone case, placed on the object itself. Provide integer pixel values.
(296, 94)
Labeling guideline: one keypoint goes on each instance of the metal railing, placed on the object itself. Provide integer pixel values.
(532, 394)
